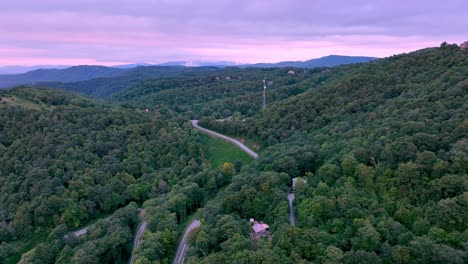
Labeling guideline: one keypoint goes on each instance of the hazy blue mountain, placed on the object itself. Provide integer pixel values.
(18, 69)
(327, 61)
(172, 63)
(138, 72)
(72, 74)
(197, 63)
(130, 66)
(335, 60)
(85, 72)
(214, 63)
(105, 87)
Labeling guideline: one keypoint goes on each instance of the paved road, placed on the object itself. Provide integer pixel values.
(84, 230)
(81, 232)
(236, 142)
(292, 217)
(183, 246)
(136, 242)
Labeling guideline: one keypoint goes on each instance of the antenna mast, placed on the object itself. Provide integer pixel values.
(264, 95)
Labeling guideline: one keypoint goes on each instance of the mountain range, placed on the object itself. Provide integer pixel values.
(18, 69)
(87, 72)
(71, 74)
(327, 61)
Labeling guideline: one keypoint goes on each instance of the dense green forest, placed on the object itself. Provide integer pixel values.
(384, 151)
(67, 160)
(224, 93)
(382, 147)
(106, 87)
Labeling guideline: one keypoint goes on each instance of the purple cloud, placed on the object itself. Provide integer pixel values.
(112, 32)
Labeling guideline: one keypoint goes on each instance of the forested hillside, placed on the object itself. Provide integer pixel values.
(71, 74)
(67, 160)
(104, 88)
(383, 149)
(222, 92)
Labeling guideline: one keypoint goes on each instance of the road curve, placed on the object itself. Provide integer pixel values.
(215, 134)
(136, 242)
(183, 246)
(292, 217)
(81, 232)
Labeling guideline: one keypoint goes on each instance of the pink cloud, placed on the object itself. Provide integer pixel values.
(113, 32)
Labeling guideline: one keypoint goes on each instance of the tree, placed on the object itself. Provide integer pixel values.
(227, 170)
(408, 177)
(401, 254)
(329, 173)
(365, 176)
(237, 165)
(162, 186)
(66, 255)
(426, 161)
(333, 255)
(460, 155)
(446, 254)
(367, 238)
(202, 242)
(236, 243)
(348, 165)
(361, 256)
(178, 204)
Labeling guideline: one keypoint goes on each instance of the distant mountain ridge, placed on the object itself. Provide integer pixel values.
(72, 74)
(88, 72)
(327, 61)
(18, 69)
(104, 87)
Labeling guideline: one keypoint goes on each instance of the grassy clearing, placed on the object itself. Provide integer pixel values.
(251, 144)
(218, 151)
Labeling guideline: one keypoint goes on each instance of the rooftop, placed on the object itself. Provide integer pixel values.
(259, 227)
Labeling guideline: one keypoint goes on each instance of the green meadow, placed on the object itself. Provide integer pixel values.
(218, 151)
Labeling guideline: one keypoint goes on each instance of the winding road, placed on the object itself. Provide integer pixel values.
(183, 246)
(292, 217)
(136, 242)
(81, 232)
(234, 141)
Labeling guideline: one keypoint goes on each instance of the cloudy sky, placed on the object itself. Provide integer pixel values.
(109, 32)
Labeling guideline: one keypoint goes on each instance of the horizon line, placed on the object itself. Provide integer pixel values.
(188, 63)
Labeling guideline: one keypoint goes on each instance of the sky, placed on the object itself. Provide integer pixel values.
(112, 32)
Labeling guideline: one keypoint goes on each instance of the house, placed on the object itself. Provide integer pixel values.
(291, 72)
(259, 228)
(228, 78)
(217, 78)
(270, 83)
(464, 45)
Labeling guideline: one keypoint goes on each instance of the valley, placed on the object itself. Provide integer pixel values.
(380, 149)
